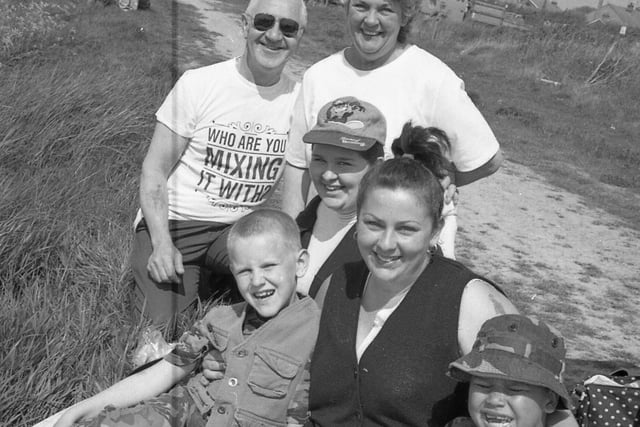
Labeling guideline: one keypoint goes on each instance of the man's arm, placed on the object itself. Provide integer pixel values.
(165, 262)
(296, 178)
(295, 189)
(144, 385)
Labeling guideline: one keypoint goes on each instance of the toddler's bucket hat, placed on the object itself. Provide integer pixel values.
(518, 348)
(349, 123)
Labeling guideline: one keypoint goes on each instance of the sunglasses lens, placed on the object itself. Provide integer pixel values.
(289, 27)
(263, 21)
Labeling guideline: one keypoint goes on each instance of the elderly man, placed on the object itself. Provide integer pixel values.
(216, 154)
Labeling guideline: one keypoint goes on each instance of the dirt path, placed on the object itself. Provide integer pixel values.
(573, 265)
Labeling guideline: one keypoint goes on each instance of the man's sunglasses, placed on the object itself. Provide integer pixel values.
(265, 21)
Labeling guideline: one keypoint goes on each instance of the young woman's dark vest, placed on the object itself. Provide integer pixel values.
(400, 380)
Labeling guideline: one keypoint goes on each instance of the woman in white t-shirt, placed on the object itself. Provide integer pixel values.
(404, 81)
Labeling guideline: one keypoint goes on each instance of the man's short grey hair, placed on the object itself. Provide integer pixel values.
(253, 4)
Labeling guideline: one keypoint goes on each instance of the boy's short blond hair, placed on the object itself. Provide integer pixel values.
(266, 221)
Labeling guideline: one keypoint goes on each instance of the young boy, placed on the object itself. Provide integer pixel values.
(265, 343)
(515, 372)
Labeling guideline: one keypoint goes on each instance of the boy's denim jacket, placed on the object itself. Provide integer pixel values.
(263, 370)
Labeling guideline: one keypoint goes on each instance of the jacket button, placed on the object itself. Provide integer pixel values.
(222, 410)
(242, 353)
(233, 382)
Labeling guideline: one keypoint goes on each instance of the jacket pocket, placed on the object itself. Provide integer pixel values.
(247, 419)
(272, 373)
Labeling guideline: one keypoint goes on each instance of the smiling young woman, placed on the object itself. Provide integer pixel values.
(391, 323)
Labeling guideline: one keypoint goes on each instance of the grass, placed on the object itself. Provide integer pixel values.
(77, 114)
(571, 132)
(78, 89)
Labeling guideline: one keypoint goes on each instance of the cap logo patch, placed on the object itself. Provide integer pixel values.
(352, 141)
(340, 111)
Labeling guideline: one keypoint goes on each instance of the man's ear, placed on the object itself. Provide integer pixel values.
(245, 25)
(551, 402)
(302, 263)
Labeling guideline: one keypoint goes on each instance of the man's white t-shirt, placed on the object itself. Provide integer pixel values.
(238, 135)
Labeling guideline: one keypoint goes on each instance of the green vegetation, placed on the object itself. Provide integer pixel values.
(561, 100)
(78, 89)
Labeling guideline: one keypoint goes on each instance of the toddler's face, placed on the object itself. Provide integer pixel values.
(266, 271)
(504, 403)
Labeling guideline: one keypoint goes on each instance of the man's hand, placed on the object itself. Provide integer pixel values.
(212, 368)
(165, 264)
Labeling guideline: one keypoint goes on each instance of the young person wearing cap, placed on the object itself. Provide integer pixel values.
(515, 372)
(346, 141)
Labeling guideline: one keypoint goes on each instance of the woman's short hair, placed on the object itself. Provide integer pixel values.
(408, 174)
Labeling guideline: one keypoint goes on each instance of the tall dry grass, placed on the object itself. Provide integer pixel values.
(26, 26)
(76, 115)
(569, 93)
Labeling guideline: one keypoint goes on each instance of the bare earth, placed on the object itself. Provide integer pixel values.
(572, 265)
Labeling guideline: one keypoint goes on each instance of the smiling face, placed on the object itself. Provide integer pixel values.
(336, 174)
(373, 26)
(394, 231)
(268, 51)
(504, 403)
(266, 269)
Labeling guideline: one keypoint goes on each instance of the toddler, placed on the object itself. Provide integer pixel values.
(515, 373)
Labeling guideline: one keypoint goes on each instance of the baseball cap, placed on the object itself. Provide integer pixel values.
(349, 123)
(517, 348)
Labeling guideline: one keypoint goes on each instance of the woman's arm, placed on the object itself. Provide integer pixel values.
(146, 384)
(480, 302)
